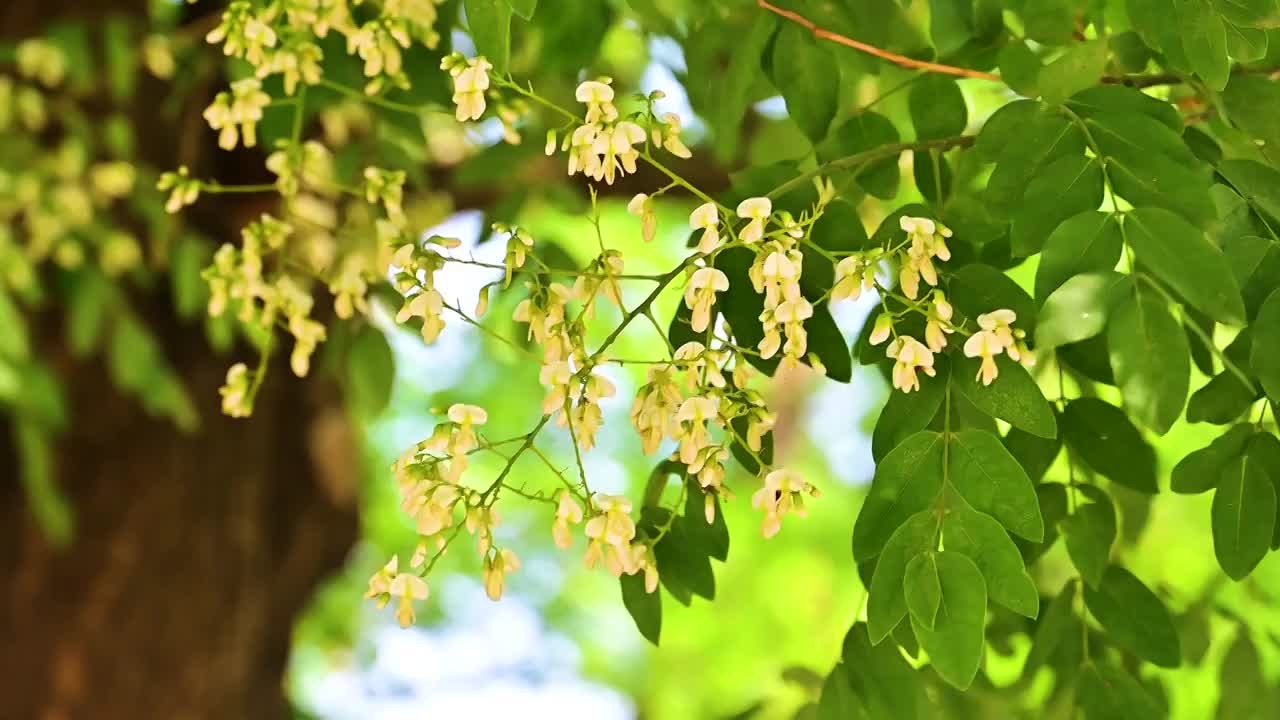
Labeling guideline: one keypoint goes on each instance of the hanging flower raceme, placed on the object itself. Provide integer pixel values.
(609, 533)
(389, 583)
(235, 113)
(692, 419)
(781, 495)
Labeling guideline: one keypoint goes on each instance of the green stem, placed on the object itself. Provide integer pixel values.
(868, 156)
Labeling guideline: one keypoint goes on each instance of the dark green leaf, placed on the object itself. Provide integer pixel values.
(710, 538)
(906, 482)
(1065, 187)
(977, 289)
(1013, 397)
(991, 481)
(1135, 617)
(1253, 103)
(1244, 516)
(370, 371)
(982, 539)
(908, 413)
(862, 132)
(1107, 692)
(1264, 449)
(937, 107)
(838, 700)
(685, 562)
(1149, 164)
(802, 72)
(13, 330)
(1150, 359)
(1079, 309)
(490, 24)
(1122, 99)
(1020, 69)
(1089, 533)
(735, 87)
(1255, 262)
(1055, 627)
(645, 607)
(1035, 454)
(932, 175)
(1088, 242)
(1265, 356)
(923, 589)
(1201, 469)
(1225, 398)
(1034, 137)
(956, 640)
(1107, 440)
(887, 603)
(1204, 39)
(880, 676)
(1179, 254)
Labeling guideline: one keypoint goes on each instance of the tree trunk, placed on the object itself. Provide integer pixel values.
(192, 556)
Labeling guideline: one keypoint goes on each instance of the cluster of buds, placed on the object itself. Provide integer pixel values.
(775, 273)
(416, 267)
(235, 113)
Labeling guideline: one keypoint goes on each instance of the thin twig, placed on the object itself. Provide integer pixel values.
(868, 156)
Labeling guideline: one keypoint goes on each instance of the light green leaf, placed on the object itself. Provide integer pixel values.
(1246, 45)
(370, 371)
(1118, 100)
(1080, 67)
(1080, 308)
(46, 501)
(955, 642)
(1201, 469)
(1107, 440)
(803, 73)
(523, 8)
(1135, 617)
(735, 90)
(991, 481)
(1089, 533)
(13, 330)
(1265, 355)
(1149, 164)
(838, 700)
(1107, 692)
(1020, 69)
(1244, 516)
(980, 537)
(906, 482)
(1241, 681)
(923, 589)
(887, 603)
(1013, 397)
(1150, 359)
(1088, 242)
(490, 24)
(1179, 254)
(1204, 38)
(1024, 137)
(1253, 104)
(937, 107)
(645, 607)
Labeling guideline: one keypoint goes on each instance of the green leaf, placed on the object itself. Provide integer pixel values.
(87, 305)
(1013, 397)
(1130, 53)
(887, 603)
(684, 562)
(976, 289)
(645, 607)
(1225, 398)
(1107, 440)
(1087, 242)
(1080, 308)
(906, 482)
(1150, 359)
(1107, 692)
(1201, 469)
(937, 107)
(1265, 356)
(923, 589)
(1255, 262)
(1035, 454)
(489, 22)
(1244, 516)
(1066, 187)
(523, 8)
(1253, 104)
(838, 700)
(735, 90)
(13, 330)
(1149, 164)
(991, 481)
(1089, 533)
(1020, 69)
(881, 677)
(1135, 617)
(932, 175)
(980, 537)
(1246, 45)
(1249, 13)
(956, 640)
(1264, 449)
(1204, 38)
(1032, 137)
(370, 371)
(1080, 67)
(803, 73)
(1057, 625)
(862, 132)
(1242, 681)
(710, 538)
(908, 413)
(1179, 254)
(48, 504)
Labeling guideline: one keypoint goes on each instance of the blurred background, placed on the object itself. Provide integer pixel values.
(158, 559)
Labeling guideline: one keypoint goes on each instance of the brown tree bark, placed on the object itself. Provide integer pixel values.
(193, 554)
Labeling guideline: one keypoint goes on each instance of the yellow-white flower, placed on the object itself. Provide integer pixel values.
(466, 417)
(853, 275)
(881, 330)
(706, 217)
(671, 137)
(994, 337)
(692, 430)
(236, 398)
(911, 355)
(642, 559)
(642, 207)
(469, 86)
(568, 512)
(408, 587)
(496, 568)
(610, 534)
(429, 306)
(939, 324)
(598, 97)
(700, 295)
(615, 146)
(781, 494)
(757, 210)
